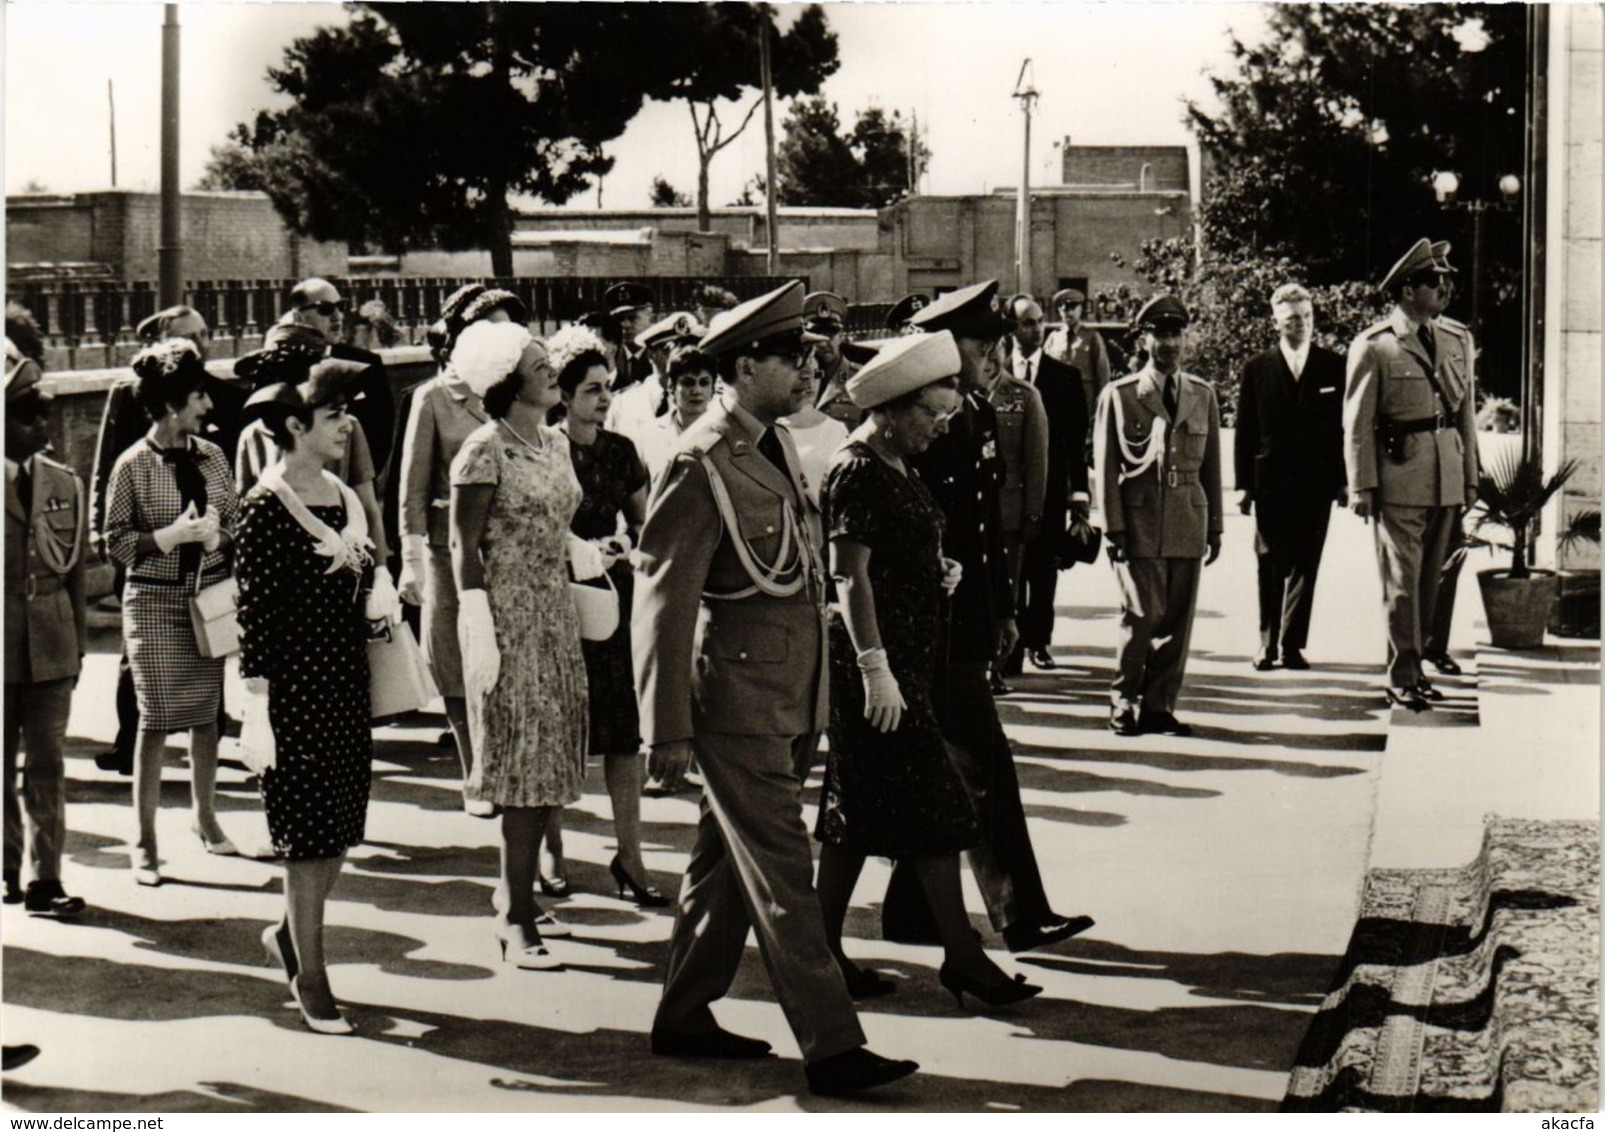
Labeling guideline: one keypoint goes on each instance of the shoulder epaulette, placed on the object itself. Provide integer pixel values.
(56, 465)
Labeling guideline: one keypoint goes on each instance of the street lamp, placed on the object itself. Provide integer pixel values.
(1446, 187)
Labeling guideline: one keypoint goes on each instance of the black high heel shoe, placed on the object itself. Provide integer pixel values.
(958, 984)
(644, 895)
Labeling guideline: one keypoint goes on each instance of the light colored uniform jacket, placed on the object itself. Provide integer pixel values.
(706, 659)
(46, 631)
(1171, 507)
(1388, 381)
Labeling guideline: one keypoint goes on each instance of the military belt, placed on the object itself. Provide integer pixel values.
(1435, 423)
(35, 586)
(1176, 478)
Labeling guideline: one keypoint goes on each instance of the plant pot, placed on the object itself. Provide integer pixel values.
(1518, 609)
(1577, 611)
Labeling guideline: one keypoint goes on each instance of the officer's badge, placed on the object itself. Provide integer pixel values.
(989, 451)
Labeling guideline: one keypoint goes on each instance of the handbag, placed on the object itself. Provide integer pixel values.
(214, 612)
(598, 609)
(398, 678)
(1079, 544)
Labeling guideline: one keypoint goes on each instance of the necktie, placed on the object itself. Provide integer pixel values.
(1424, 332)
(1169, 397)
(1025, 370)
(25, 487)
(769, 445)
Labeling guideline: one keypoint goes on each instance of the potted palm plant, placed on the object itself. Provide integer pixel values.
(1511, 494)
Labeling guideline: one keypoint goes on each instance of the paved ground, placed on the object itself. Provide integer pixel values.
(1223, 871)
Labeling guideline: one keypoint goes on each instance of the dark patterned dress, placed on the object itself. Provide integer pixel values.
(610, 472)
(894, 794)
(302, 628)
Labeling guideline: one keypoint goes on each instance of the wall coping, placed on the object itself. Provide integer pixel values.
(69, 383)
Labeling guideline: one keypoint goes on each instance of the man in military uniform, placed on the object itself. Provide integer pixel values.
(634, 410)
(1079, 346)
(631, 307)
(900, 318)
(825, 314)
(1023, 449)
(1410, 449)
(1157, 482)
(47, 527)
(729, 638)
(1435, 643)
(964, 475)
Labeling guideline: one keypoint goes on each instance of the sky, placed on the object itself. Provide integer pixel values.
(1106, 73)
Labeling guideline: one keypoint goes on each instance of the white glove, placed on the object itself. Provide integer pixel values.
(188, 527)
(258, 748)
(476, 633)
(619, 546)
(383, 604)
(586, 559)
(414, 552)
(883, 699)
(952, 574)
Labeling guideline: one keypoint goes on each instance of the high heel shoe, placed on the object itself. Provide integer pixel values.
(222, 847)
(280, 949)
(644, 895)
(958, 984)
(336, 1027)
(526, 955)
(147, 873)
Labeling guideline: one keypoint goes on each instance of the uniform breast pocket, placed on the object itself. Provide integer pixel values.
(1408, 393)
(754, 644)
(1191, 443)
(62, 522)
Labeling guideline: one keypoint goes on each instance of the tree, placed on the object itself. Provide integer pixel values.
(1329, 133)
(231, 167)
(868, 168)
(665, 195)
(414, 124)
(718, 60)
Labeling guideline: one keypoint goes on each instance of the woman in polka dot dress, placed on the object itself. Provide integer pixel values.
(304, 570)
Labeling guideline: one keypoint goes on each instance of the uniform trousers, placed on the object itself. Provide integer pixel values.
(1443, 611)
(752, 867)
(1004, 864)
(36, 721)
(1157, 600)
(1412, 543)
(1290, 537)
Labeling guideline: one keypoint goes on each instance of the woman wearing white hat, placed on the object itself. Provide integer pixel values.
(890, 788)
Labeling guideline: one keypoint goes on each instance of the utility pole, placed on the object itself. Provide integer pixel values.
(770, 221)
(1026, 92)
(170, 252)
(111, 105)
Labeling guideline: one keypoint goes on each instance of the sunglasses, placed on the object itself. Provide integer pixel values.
(790, 347)
(327, 309)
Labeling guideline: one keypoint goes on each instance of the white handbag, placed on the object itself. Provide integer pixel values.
(598, 609)
(214, 612)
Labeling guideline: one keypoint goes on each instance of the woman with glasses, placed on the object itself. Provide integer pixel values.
(170, 518)
(614, 483)
(693, 377)
(890, 788)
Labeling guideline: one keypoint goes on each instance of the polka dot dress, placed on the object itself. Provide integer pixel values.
(302, 628)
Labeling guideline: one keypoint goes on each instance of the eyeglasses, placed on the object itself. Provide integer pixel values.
(937, 416)
(327, 309)
(791, 349)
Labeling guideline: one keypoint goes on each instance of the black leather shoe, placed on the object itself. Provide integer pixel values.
(1041, 658)
(1029, 937)
(1123, 721)
(1426, 691)
(15, 1057)
(854, 1070)
(999, 688)
(1294, 659)
(47, 898)
(1264, 660)
(1408, 698)
(115, 760)
(13, 886)
(1163, 723)
(1444, 663)
(712, 1043)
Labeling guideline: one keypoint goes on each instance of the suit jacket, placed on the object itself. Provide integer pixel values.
(1069, 411)
(1290, 433)
(46, 630)
(1023, 447)
(444, 411)
(1388, 380)
(964, 473)
(1089, 354)
(710, 656)
(1171, 507)
(123, 424)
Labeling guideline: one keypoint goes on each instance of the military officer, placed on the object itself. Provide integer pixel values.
(1023, 448)
(632, 310)
(899, 320)
(634, 411)
(825, 314)
(1157, 482)
(729, 646)
(1435, 640)
(1410, 450)
(964, 474)
(1079, 346)
(47, 528)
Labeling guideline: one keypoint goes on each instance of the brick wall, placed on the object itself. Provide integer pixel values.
(1121, 165)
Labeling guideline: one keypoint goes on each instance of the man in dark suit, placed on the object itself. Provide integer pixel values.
(729, 639)
(963, 472)
(1289, 460)
(122, 424)
(1065, 498)
(632, 309)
